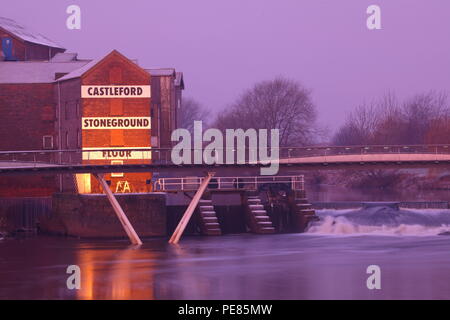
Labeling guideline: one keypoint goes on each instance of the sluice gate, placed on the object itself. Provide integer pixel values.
(266, 205)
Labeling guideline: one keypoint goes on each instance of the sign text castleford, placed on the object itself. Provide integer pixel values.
(115, 92)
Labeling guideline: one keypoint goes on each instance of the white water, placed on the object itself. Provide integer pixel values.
(382, 221)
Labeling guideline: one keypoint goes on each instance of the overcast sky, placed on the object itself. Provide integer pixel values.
(224, 47)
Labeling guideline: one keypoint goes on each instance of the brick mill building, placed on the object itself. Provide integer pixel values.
(52, 100)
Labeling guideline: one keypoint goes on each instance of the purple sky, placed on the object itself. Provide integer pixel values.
(224, 47)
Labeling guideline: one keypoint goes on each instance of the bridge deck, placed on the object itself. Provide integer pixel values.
(386, 157)
(287, 165)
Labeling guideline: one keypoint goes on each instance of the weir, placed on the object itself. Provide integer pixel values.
(266, 205)
(257, 207)
(300, 212)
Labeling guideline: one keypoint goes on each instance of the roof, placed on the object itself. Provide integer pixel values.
(161, 72)
(80, 71)
(26, 34)
(85, 68)
(179, 81)
(65, 63)
(64, 57)
(35, 72)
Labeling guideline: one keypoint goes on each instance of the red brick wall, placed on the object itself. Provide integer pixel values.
(30, 111)
(39, 52)
(24, 51)
(117, 70)
(156, 106)
(178, 104)
(27, 114)
(18, 45)
(164, 105)
(68, 111)
(69, 104)
(28, 186)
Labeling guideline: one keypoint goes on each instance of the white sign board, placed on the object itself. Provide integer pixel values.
(89, 123)
(117, 153)
(115, 92)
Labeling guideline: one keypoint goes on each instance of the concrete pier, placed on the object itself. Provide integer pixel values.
(91, 216)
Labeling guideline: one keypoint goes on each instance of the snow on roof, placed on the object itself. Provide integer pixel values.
(179, 79)
(26, 34)
(64, 57)
(161, 72)
(35, 72)
(44, 71)
(79, 72)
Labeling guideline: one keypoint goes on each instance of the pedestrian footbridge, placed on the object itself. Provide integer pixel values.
(290, 159)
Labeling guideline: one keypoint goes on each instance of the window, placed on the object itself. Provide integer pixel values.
(78, 109)
(47, 142)
(117, 174)
(67, 140)
(79, 140)
(66, 111)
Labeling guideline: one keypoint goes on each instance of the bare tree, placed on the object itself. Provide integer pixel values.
(420, 112)
(387, 121)
(424, 118)
(191, 110)
(276, 104)
(360, 126)
(439, 131)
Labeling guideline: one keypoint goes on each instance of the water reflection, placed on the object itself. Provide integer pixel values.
(116, 273)
(295, 266)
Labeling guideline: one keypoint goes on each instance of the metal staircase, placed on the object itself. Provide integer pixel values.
(302, 213)
(257, 218)
(208, 222)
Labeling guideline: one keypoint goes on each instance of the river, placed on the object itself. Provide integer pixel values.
(330, 261)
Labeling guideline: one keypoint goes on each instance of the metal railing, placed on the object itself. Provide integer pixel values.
(296, 183)
(164, 155)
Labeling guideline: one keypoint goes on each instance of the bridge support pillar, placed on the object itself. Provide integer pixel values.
(132, 235)
(190, 210)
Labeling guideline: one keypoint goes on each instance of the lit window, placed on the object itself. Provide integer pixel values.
(117, 174)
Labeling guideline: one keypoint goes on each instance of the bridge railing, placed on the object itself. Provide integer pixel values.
(357, 150)
(296, 183)
(164, 155)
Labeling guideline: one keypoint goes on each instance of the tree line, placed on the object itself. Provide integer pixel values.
(280, 103)
(287, 105)
(421, 119)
